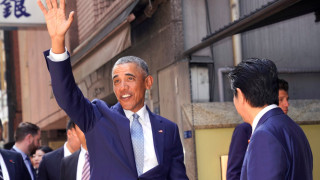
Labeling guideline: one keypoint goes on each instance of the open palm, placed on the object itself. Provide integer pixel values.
(57, 23)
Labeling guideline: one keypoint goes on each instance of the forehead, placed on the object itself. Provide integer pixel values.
(283, 92)
(131, 68)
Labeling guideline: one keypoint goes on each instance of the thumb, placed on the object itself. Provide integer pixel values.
(70, 19)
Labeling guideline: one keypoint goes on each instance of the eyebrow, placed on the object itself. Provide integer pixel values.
(127, 74)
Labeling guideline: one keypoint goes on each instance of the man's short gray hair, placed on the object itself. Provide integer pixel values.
(133, 59)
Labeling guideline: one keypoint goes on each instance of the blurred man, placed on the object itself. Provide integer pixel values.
(27, 138)
(278, 147)
(283, 95)
(49, 168)
(76, 166)
(12, 166)
(242, 134)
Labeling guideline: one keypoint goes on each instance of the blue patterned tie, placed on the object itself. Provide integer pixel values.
(137, 143)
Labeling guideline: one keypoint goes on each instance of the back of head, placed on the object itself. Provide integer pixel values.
(283, 85)
(70, 125)
(24, 129)
(45, 149)
(258, 81)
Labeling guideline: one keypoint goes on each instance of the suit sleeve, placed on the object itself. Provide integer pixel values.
(43, 169)
(237, 150)
(267, 158)
(177, 169)
(69, 96)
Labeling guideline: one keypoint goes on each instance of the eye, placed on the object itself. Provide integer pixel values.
(116, 81)
(130, 78)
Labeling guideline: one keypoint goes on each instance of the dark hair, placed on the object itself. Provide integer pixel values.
(45, 149)
(283, 85)
(258, 81)
(133, 59)
(70, 125)
(24, 129)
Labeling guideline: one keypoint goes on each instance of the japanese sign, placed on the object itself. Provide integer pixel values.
(20, 13)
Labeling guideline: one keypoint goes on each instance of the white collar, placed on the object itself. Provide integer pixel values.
(260, 114)
(142, 112)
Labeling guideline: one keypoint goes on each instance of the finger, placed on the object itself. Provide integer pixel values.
(62, 4)
(43, 9)
(70, 19)
(54, 3)
(49, 5)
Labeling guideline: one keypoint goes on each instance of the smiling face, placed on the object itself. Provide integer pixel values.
(129, 85)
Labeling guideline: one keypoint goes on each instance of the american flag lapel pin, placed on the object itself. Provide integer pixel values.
(160, 131)
(11, 161)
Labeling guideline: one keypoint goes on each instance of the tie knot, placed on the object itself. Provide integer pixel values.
(87, 155)
(135, 116)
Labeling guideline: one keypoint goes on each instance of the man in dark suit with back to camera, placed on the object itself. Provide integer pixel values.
(76, 166)
(49, 168)
(125, 141)
(278, 147)
(12, 166)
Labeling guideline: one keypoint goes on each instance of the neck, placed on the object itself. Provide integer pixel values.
(70, 148)
(22, 147)
(252, 113)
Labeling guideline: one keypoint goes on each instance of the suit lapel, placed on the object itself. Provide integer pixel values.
(123, 125)
(9, 164)
(158, 131)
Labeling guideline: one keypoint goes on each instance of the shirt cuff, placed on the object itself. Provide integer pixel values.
(58, 57)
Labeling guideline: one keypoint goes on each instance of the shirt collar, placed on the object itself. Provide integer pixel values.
(142, 112)
(19, 151)
(260, 114)
(66, 151)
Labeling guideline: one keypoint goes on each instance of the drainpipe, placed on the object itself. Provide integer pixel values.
(223, 70)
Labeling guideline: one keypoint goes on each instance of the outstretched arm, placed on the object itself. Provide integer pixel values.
(57, 23)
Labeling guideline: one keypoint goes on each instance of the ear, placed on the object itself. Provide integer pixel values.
(148, 82)
(29, 138)
(240, 96)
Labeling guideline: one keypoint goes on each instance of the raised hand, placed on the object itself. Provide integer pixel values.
(57, 23)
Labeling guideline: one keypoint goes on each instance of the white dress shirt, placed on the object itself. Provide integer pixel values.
(24, 156)
(150, 158)
(5, 173)
(66, 151)
(81, 161)
(260, 114)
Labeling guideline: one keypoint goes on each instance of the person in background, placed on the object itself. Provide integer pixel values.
(27, 138)
(76, 166)
(283, 95)
(49, 168)
(12, 166)
(278, 147)
(37, 156)
(242, 133)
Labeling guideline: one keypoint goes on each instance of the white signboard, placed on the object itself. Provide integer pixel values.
(20, 13)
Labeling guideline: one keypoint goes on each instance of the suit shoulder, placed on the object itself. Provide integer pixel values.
(54, 154)
(10, 153)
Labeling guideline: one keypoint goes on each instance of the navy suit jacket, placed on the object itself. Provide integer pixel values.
(107, 132)
(49, 168)
(237, 150)
(69, 166)
(15, 165)
(278, 150)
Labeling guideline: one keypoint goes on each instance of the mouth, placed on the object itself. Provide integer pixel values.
(125, 96)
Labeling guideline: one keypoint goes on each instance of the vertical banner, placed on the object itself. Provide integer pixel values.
(20, 13)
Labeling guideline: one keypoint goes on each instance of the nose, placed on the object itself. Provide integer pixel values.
(123, 85)
(286, 103)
